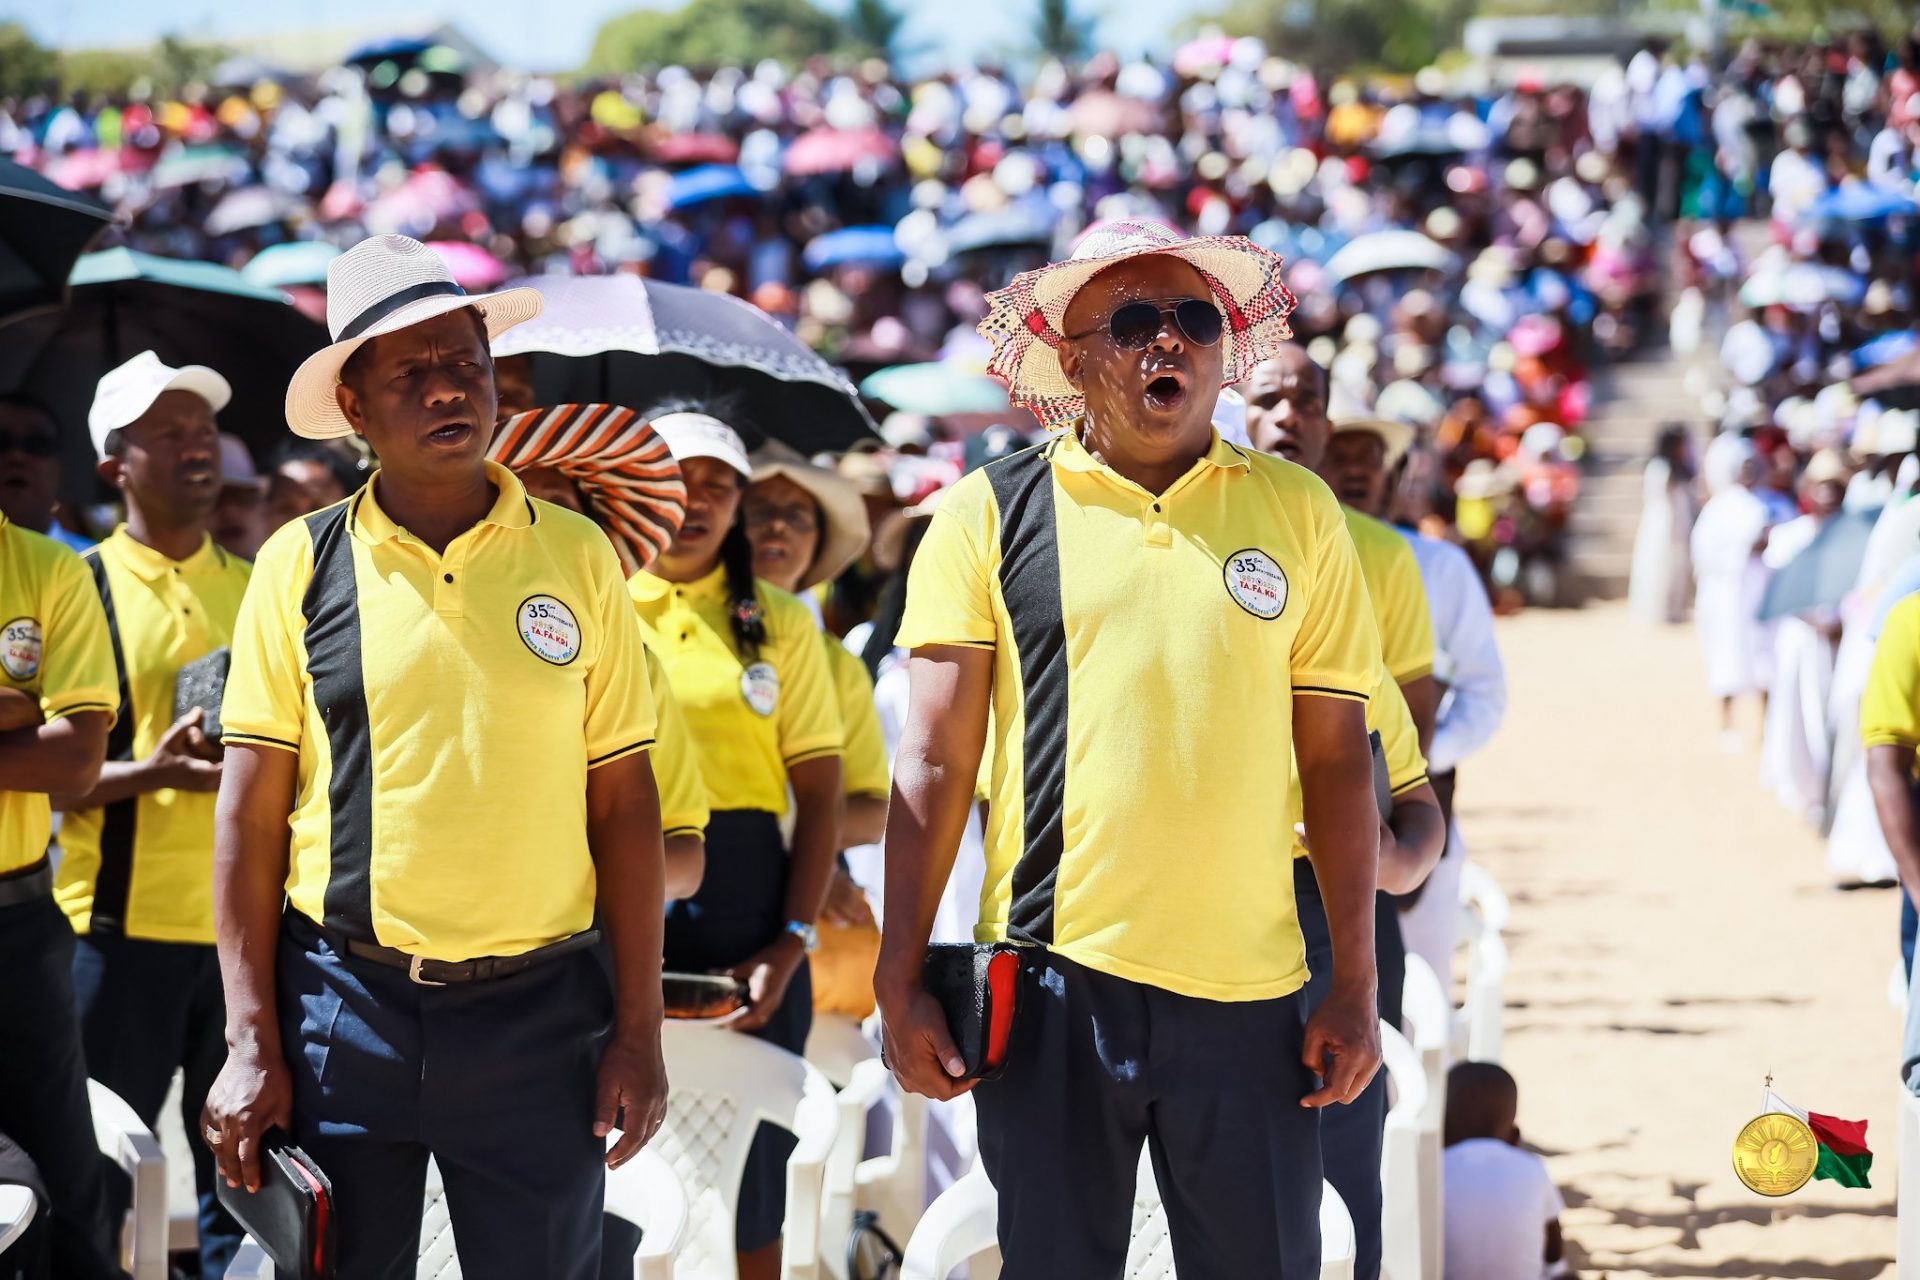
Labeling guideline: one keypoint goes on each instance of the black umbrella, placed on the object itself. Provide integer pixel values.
(43, 229)
(122, 303)
(638, 343)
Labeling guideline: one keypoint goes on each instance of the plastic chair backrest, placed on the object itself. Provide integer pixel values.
(723, 1086)
(1403, 1171)
(125, 1139)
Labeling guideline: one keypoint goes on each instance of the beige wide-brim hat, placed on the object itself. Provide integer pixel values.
(1025, 321)
(380, 286)
(1396, 436)
(843, 512)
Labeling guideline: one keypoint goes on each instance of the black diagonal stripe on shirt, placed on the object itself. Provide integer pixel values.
(113, 880)
(331, 607)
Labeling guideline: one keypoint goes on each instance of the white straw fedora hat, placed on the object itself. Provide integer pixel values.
(381, 285)
(1395, 437)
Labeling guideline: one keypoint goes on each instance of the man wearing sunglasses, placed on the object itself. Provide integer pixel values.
(30, 468)
(1154, 617)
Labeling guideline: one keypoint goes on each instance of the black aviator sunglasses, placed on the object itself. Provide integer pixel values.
(1133, 325)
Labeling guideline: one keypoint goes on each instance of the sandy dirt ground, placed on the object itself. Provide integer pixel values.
(1675, 937)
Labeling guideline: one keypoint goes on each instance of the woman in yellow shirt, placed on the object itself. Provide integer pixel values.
(747, 665)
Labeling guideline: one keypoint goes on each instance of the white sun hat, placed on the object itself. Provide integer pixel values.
(1395, 437)
(384, 284)
(700, 435)
(130, 390)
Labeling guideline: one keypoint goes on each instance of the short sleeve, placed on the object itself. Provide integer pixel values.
(619, 711)
(863, 759)
(1336, 651)
(1406, 624)
(808, 709)
(949, 593)
(76, 670)
(265, 697)
(1387, 714)
(676, 759)
(1552, 1204)
(1890, 708)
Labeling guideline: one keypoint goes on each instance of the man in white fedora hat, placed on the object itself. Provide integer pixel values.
(438, 689)
(1135, 820)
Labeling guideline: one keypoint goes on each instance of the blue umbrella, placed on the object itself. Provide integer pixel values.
(392, 47)
(1886, 347)
(709, 182)
(1823, 572)
(1027, 223)
(1858, 202)
(869, 246)
(281, 266)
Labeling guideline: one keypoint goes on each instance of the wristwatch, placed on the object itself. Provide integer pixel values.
(808, 935)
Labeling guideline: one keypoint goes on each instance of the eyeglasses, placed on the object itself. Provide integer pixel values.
(35, 444)
(799, 517)
(1134, 325)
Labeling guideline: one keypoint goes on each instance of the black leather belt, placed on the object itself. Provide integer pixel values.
(439, 973)
(29, 884)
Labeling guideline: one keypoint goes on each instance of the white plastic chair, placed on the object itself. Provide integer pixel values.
(962, 1222)
(892, 1186)
(1897, 986)
(124, 1139)
(1429, 1017)
(1908, 1206)
(17, 1207)
(724, 1086)
(1404, 1167)
(1478, 1033)
(644, 1191)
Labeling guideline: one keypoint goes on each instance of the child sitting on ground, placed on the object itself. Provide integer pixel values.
(1502, 1209)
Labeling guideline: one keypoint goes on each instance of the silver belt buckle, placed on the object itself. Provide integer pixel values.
(413, 972)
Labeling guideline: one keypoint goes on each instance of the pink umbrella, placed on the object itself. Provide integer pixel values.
(472, 266)
(421, 203)
(82, 170)
(1208, 52)
(827, 150)
(696, 148)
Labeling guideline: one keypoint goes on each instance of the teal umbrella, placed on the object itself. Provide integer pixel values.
(121, 303)
(935, 390)
(297, 262)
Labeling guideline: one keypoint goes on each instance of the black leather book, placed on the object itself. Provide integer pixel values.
(291, 1215)
(200, 684)
(978, 987)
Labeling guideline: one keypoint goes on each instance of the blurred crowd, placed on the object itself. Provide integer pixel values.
(1464, 251)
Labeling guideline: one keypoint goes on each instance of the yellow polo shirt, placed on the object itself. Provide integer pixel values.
(446, 708)
(143, 867)
(676, 759)
(1147, 650)
(1890, 707)
(1399, 595)
(863, 761)
(1388, 716)
(753, 718)
(53, 648)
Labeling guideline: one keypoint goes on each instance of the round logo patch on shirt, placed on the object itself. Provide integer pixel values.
(549, 629)
(1256, 583)
(760, 685)
(20, 648)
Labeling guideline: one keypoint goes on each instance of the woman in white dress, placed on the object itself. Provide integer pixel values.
(1730, 579)
(1662, 574)
(1796, 753)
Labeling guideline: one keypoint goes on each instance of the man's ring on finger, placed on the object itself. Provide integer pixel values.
(213, 1136)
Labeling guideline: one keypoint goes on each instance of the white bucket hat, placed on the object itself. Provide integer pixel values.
(130, 390)
(381, 285)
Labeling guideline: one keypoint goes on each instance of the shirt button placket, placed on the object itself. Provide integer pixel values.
(1158, 533)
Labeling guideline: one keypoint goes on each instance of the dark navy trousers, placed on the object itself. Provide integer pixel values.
(495, 1080)
(1098, 1065)
(1353, 1134)
(147, 1009)
(43, 1085)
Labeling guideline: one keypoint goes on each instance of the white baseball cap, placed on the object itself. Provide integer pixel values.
(129, 391)
(697, 435)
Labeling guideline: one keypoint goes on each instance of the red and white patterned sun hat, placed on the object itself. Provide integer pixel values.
(620, 464)
(1025, 321)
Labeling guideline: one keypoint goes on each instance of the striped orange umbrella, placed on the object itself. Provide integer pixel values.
(621, 466)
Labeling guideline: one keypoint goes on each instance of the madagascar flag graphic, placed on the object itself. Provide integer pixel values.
(1843, 1143)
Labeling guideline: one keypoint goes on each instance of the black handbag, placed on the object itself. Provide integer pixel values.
(201, 683)
(978, 987)
(1382, 780)
(291, 1215)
